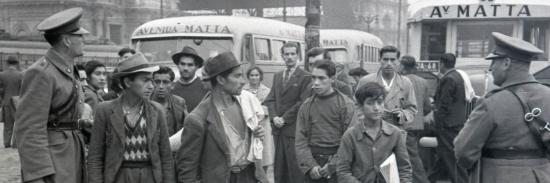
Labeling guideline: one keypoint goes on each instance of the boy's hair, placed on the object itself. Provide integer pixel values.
(326, 65)
(369, 90)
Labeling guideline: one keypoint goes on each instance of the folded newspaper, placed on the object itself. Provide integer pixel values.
(389, 170)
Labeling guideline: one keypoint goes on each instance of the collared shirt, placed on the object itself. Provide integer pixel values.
(290, 70)
(360, 156)
(386, 85)
(238, 141)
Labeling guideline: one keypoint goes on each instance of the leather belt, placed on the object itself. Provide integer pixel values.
(65, 126)
(513, 154)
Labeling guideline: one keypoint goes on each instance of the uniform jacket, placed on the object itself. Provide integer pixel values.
(10, 80)
(91, 96)
(422, 101)
(450, 102)
(108, 140)
(303, 128)
(400, 97)
(359, 155)
(176, 111)
(50, 92)
(497, 123)
(285, 100)
(204, 152)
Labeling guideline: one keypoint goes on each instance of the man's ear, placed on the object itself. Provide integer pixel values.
(66, 41)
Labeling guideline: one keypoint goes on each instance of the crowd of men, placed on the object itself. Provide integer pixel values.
(217, 123)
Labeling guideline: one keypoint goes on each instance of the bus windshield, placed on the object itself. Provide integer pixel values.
(338, 55)
(163, 49)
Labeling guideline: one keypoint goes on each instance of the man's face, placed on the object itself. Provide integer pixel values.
(373, 108)
(290, 55)
(498, 70)
(233, 84)
(141, 85)
(162, 85)
(75, 43)
(98, 78)
(322, 83)
(389, 62)
(187, 68)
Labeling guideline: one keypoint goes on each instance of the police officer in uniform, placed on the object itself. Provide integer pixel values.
(496, 144)
(48, 124)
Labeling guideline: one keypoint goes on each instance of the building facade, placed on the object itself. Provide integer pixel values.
(109, 21)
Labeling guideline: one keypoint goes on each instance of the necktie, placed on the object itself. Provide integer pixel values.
(287, 75)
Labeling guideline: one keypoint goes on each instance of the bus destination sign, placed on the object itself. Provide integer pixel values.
(222, 29)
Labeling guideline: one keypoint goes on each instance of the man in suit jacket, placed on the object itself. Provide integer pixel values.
(10, 80)
(449, 116)
(290, 88)
(414, 129)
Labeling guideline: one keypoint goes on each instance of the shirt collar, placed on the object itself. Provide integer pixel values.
(188, 82)
(62, 62)
(292, 69)
(449, 71)
(385, 128)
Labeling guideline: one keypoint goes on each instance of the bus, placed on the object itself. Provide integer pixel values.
(352, 48)
(255, 41)
(464, 27)
(27, 52)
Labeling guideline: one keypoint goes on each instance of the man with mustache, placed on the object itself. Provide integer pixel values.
(189, 86)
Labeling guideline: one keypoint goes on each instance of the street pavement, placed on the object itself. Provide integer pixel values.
(10, 172)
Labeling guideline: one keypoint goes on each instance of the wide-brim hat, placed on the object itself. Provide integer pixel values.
(220, 63)
(188, 51)
(63, 22)
(506, 46)
(134, 64)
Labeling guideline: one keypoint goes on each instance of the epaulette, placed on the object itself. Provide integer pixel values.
(492, 92)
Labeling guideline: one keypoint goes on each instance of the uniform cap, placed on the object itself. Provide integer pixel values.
(63, 22)
(506, 46)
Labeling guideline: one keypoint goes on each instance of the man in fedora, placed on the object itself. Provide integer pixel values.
(496, 144)
(48, 125)
(189, 86)
(10, 80)
(219, 144)
(129, 138)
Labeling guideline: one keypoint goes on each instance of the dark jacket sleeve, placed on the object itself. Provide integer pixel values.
(96, 152)
(303, 152)
(402, 158)
(470, 140)
(189, 154)
(167, 161)
(345, 158)
(446, 98)
(270, 99)
(427, 106)
(305, 87)
(31, 119)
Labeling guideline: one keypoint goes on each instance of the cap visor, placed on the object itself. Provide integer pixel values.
(492, 56)
(81, 31)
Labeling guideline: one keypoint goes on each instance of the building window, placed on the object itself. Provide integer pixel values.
(474, 40)
(434, 36)
(536, 32)
(115, 33)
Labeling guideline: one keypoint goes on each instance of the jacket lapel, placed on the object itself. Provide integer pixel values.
(215, 128)
(117, 120)
(151, 117)
(292, 79)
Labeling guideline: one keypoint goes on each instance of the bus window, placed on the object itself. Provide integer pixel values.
(338, 55)
(434, 35)
(163, 49)
(247, 52)
(536, 33)
(276, 46)
(262, 49)
(474, 40)
(357, 54)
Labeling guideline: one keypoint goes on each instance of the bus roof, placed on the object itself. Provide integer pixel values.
(217, 26)
(421, 9)
(331, 38)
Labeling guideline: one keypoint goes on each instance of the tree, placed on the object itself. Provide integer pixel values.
(313, 24)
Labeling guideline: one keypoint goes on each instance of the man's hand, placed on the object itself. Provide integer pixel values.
(278, 122)
(314, 173)
(324, 172)
(259, 132)
(400, 116)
